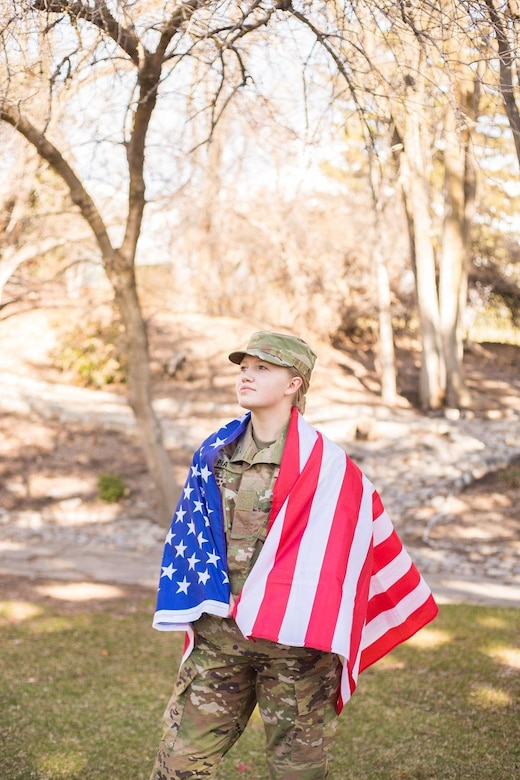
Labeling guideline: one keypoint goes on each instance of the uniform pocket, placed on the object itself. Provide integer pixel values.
(187, 674)
(249, 524)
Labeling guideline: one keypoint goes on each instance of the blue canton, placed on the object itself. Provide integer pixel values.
(194, 576)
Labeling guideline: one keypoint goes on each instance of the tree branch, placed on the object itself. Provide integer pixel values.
(80, 197)
(98, 15)
(506, 60)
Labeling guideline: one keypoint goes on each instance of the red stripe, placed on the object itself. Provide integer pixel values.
(360, 608)
(418, 619)
(393, 594)
(386, 551)
(377, 505)
(329, 591)
(278, 586)
(289, 467)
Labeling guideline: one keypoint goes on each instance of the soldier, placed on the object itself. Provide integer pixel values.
(255, 569)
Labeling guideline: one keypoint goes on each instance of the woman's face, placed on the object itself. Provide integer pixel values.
(262, 385)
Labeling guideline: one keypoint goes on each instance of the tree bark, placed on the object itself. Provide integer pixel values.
(415, 186)
(459, 175)
(122, 277)
(386, 333)
(452, 259)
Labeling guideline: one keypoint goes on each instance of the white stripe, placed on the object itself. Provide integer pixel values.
(396, 616)
(309, 562)
(345, 684)
(383, 528)
(254, 587)
(356, 560)
(307, 439)
(177, 619)
(390, 574)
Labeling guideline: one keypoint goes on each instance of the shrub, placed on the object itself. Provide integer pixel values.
(111, 487)
(93, 354)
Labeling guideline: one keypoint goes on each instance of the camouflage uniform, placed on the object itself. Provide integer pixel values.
(226, 675)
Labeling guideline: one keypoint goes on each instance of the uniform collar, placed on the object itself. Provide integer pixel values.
(247, 451)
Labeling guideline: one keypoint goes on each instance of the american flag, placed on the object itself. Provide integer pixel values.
(332, 573)
(193, 576)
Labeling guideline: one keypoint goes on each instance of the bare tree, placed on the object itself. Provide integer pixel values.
(412, 64)
(141, 46)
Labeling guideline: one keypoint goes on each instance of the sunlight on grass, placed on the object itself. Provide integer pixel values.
(491, 327)
(492, 621)
(80, 591)
(17, 611)
(389, 662)
(507, 656)
(50, 625)
(429, 638)
(61, 764)
(490, 698)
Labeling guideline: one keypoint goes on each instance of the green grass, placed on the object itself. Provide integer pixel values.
(82, 695)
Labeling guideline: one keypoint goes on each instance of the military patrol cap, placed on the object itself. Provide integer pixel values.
(280, 349)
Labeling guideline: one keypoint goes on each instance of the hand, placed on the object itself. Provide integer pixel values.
(231, 605)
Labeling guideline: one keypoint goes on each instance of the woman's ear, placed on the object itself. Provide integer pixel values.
(294, 385)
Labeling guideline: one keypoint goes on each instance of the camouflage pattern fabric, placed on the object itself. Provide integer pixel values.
(281, 349)
(217, 690)
(246, 477)
(226, 675)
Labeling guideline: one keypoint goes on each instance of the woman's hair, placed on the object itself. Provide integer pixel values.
(299, 396)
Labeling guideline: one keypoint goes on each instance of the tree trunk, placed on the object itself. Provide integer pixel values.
(139, 386)
(415, 185)
(386, 334)
(452, 261)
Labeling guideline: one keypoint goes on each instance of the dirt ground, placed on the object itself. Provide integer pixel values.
(43, 462)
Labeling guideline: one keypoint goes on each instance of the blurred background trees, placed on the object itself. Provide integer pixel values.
(344, 169)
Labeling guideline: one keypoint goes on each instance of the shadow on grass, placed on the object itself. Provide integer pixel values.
(82, 694)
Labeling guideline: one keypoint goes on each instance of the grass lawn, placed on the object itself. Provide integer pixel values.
(82, 693)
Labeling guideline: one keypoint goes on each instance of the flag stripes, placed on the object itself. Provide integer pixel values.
(332, 573)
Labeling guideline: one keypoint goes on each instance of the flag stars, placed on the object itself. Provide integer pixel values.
(201, 539)
(169, 536)
(195, 471)
(197, 506)
(191, 527)
(180, 515)
(188, 490)
(218, 442)
(182, 587)
(192, 561)
(181, 548)
(213, 558)
(168, 571)
(203, 576)
(205, 473)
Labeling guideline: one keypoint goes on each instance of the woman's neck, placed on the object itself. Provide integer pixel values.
(268, 427)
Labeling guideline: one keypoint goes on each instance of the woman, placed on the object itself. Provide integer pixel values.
(285, 571)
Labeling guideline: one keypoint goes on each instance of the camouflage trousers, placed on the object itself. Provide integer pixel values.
(219, 686)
